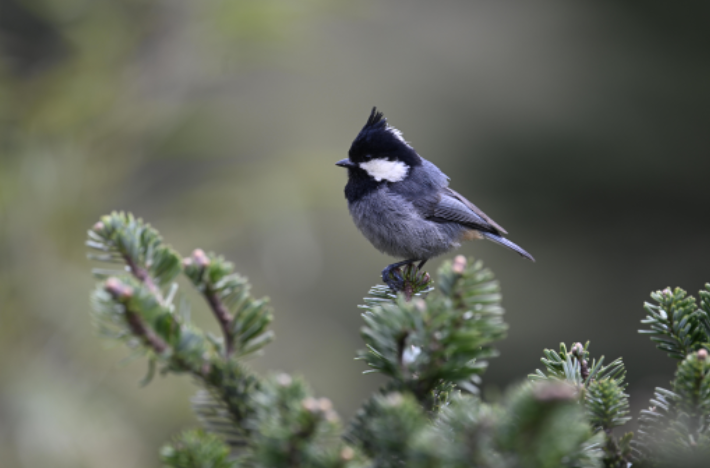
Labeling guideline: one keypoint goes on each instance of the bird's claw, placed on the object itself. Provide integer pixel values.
(392, 277)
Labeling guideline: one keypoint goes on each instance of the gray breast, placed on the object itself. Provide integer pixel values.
(394, 226)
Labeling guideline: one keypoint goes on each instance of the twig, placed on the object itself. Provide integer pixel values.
(223, 317)
(122, 293)
(142, 275)
(577, 351)
(408, 290)
(218, 308)
(148, 335)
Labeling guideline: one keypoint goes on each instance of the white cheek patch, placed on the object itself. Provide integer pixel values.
(382, 169)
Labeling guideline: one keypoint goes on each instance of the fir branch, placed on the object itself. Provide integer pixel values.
(123, 238)
(692, 385)
(197, 449)
(416, 282)
(607, 405)
(676, 325)
(573, 366)
(431, 343)
(142, 275)
(223, 318)
(293, 429)
(580, 353)
(601, 389)
(227, 405)
(222, 315)
(463, 434)
(385, 426)
(272, 423)
(677, 426)
(544, 425)
(428, 343)
(242, 319)
(704, 313)
(122, 293)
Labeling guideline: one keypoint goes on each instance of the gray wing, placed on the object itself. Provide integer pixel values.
(454, 207)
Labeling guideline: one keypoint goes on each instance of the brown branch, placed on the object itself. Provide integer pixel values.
(142, 275)
(122, 293)
(408, 290)
(146, 334)
(577, 351)
(223, 317)
(220, 311)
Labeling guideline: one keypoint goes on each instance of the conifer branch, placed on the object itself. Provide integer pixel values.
(122, 293)
(675, 430)
(677, 326)
(197, 449)
(142, 275)
(242, 319)
(441, 338)
(222, 315)
(433, 344)
(224, 320)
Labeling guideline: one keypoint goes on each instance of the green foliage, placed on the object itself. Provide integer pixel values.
(196, 449)
(462, 435)
(601, 388)
(677, 326)
(538, 425)
(433, 344)
(244, 320)
(675, 429)
(679, 419)
(386, 426)
(445, 337)
(546, 427)
(573, 366)
(607, 404)
(226, 406)
(607, 407)
(126, 240)
(267, 422)
(294, 429)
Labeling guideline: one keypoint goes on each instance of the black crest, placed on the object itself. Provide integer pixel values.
(378, 140)
(376, 119)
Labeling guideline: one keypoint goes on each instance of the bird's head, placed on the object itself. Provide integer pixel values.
(379, 152)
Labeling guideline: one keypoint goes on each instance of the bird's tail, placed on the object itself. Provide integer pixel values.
(506, 243)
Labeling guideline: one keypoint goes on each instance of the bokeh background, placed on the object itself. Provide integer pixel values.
(582, 127)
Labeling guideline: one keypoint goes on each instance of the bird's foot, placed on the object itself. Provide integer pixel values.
(392, 277)
(410, 280)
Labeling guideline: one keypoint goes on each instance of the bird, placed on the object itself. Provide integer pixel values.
(403, 205)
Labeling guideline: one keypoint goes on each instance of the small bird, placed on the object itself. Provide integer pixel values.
(403, 205)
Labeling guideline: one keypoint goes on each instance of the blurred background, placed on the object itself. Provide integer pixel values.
(582, 127)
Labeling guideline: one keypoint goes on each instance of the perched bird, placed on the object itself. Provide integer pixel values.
(402, 203)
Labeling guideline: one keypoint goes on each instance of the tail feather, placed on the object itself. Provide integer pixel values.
(506, 243)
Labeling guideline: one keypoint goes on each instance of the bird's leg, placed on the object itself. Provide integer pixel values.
(397, 283)
(421, 264)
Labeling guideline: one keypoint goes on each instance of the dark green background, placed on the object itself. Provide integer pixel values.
(582, 127)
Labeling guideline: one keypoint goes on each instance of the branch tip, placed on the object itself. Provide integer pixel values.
(200, 258)
(459, 265)
(118, 289)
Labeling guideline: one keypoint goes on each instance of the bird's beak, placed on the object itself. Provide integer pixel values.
(345, 163)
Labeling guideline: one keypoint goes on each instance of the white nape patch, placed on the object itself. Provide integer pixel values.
(382, 169)
(397, 134)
